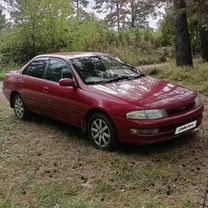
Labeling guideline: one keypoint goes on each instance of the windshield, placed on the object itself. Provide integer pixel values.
(103, 69)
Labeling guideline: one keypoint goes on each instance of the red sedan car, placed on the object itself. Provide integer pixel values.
(108, 99)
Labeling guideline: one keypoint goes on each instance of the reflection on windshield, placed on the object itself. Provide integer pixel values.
(103, 69)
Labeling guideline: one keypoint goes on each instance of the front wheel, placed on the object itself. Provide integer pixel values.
(20, 108)
(102, 132)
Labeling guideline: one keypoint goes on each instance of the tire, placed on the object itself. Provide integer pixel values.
(19, 108)
(101, 132)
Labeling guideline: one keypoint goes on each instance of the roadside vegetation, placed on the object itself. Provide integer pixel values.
(194, 78)
(37, 27)
(46, 163)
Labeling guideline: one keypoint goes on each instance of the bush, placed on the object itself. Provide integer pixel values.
(137, 47)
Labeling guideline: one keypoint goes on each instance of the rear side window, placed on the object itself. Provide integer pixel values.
(36, 68)
(57, 69)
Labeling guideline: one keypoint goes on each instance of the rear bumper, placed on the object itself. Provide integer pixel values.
(166, 127)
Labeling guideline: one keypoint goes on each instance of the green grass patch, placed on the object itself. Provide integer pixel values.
(56, 194)
(5, 205)
(186, 202)
(83, 204)
(151, 203)
(140, 177)
(104, 186)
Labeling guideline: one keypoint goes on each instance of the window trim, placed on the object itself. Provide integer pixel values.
(33, 60)
(100, 57)
(47, 58)
(59, 59)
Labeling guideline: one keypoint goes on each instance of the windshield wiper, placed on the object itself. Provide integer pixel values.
(122, 78)
(125, 77)
(136, 76)
(114, 79)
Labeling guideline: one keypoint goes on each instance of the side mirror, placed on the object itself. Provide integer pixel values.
(67, 83)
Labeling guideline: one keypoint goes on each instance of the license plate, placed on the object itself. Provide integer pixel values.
(185, 127)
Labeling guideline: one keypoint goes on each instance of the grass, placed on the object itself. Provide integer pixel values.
(104, 186)
(194, 78)
(46, 163)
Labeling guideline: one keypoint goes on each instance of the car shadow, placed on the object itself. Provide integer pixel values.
(67, 129)
(73, 132)
(161, 147)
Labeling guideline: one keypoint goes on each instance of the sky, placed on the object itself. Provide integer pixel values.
(153, 23)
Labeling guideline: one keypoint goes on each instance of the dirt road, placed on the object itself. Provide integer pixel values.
(1, 93)
(147, 68)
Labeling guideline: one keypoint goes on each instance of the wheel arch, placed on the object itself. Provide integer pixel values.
(13, 93)
(91, 112)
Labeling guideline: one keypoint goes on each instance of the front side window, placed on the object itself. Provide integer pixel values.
(57, 69)
(101, 69)
(36, 68)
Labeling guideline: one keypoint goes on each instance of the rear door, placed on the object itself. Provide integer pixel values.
(61, 101)
(33, 85)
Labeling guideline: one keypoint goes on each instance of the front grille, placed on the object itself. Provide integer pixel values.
(182, 109)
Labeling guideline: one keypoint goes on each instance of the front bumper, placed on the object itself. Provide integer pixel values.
(166, 127)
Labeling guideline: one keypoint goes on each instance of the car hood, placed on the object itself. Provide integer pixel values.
(149, 93)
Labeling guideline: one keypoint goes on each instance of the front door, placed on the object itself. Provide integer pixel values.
(62, 102)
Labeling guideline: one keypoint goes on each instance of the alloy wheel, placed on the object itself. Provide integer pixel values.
(19, 107)
(100, 133)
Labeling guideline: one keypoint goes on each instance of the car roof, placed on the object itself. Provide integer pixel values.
(71, 55)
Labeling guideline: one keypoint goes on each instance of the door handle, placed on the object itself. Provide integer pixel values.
(45, 90)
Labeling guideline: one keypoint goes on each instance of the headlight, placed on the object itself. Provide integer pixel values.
(146, 114)
(197, 101)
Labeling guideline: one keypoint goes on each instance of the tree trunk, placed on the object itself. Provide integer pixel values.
(203, 33)
(132, 14)
(182, 42)
(77, 5)
(33, 50)
(118, 14)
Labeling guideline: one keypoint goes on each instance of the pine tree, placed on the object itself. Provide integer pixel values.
(2, 20)
(182, 40)
(139, 10)
(78, 6)
(202, 10)
(114, 9)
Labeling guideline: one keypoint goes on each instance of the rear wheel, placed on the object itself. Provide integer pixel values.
(102, 132)
(19, 108)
